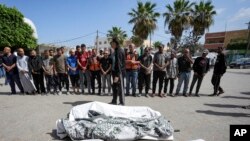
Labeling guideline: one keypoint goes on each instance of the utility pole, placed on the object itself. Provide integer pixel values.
(97, 42)
(150, 40)
(248, 38)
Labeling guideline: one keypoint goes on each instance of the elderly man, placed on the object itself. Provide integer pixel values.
(200, 67)
(131, 69)
(24, 73)
(9, 64)
(184, 66)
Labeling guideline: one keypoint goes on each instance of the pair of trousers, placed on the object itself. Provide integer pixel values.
(106, 78)
(196, 78)
(131, 77)
(171, 85)
(12, 79)
(83, 77)
(62, 77)
(144, 79)
(158, 75)
(74, 78)
(118, 88)
(184, 77)
(216, 82)
(95, 75)
(50, 82)
(39, 82)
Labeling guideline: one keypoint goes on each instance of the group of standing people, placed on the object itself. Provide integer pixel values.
(112, 67)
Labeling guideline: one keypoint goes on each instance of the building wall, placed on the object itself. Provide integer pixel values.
(238, 34)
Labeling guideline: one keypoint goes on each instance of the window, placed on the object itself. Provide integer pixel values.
(105, 42)
(100, 43)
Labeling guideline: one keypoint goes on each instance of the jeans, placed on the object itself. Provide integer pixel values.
(83, 76)
(39, 82)
(184, 76)
(12, 79)
(195, 78)
(158, 75)
(171, 85)
(2, 72)
(144, 79)
(106, 78)
(216, 82)
(131, 77)
(50, 82)
(74, 78)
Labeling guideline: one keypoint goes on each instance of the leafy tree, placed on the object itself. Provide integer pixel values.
(157, 43)
(118, 33)
(144, 19)
(14, 32)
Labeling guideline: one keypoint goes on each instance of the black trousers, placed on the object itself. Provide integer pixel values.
(198, 85)
(158, 75)
(171, 85)
(74, 80)
(216, 82)
(62, 77)
(96, 75)
(144, 79)
(39, 82)
(118, 89)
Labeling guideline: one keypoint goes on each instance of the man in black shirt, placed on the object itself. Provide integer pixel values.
(35, 65)
(106, 66)
(9, 63)
(200, 67)
(118, 71)
(184, 67)
(219, 69)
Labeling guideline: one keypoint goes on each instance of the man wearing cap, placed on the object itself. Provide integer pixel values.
(200, 67)
(160, 62)
(219, 69)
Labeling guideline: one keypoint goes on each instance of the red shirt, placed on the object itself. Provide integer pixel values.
(83, 57)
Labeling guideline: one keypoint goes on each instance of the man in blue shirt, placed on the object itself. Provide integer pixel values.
(73, 71)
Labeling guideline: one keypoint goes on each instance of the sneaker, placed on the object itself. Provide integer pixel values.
(121, 104)
(67, 93)
(139, 95)
(197, 95)
(153, 95)
(212, 95)
(185, 95)
(59, 93)
(134, 95)
(112, 103)
(220, 92)
(146, 95)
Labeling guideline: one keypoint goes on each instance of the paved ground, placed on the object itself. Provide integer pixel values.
(32, 118)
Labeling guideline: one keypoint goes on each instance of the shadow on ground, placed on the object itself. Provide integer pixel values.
(223, 105)
(243, 73)
(237, 97)
(245, 93)
(4, 93)
(55, 137)
(77, 102)
(210, 112)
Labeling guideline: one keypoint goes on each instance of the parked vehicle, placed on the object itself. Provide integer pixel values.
(240, 63)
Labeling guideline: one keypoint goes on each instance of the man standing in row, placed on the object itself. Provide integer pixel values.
(184, 65)
(9, 63)
(60, 69)
(200, 67)
(144, 77)
(35, 66)
(24, 73)
(106, 66)
(131, 69)
(160, 63)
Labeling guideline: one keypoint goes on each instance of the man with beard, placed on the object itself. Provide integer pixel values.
(36, 69)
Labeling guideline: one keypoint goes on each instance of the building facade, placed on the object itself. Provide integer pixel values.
(222, 39)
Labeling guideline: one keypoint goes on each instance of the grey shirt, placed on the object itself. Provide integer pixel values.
(161, 59)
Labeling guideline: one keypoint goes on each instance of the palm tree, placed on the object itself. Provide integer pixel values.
(157, 43)
(203, 17)
(118, 33)
(144, 19)
(178, 17)
(136, 40)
